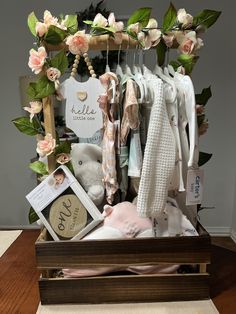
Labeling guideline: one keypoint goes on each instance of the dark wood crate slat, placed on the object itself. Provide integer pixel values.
(124, 289)
(181, 250)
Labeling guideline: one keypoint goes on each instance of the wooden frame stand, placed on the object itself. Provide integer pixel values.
(119, 288)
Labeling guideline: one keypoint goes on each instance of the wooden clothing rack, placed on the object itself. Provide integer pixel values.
(120, 288)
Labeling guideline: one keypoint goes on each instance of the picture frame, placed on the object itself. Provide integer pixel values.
(63, 206)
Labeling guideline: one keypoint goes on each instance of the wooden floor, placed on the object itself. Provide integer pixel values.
(19, 288)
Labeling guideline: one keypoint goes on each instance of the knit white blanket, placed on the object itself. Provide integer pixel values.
(159, 155)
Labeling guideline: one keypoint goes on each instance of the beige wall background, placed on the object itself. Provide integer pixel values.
(216, 67)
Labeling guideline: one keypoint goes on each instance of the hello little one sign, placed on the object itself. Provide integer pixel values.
(83, 115)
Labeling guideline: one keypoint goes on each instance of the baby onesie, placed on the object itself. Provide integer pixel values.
(111, 127)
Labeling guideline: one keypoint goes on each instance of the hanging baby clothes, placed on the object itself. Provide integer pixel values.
(159, 155)
(190, 151)
(130, 121)
(171, 100)
(111, 127)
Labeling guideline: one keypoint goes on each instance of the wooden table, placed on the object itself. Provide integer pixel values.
(19, 276)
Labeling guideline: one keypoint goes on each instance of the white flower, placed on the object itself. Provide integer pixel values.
(168, 39)
(35, 107)
(100, 20)
(53, 74)
(151, 36)
(134, 28)
(184, 18)
(118, 26)
(63, 158)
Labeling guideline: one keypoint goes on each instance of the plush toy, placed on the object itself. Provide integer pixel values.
(124, 217)
(120, 221)
(87, 164)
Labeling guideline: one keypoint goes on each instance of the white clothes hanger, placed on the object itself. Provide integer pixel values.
(119, 71)
(107, 55)
(113, 84)
(171, 69)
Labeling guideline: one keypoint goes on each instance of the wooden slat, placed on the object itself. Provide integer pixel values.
(49, 124)
(122, 289)
(180, 250)
(103, 41)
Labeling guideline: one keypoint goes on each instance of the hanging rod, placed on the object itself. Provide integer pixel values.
(101, 43)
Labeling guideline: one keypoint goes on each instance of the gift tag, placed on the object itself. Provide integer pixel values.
(67, 216)
(194, 188)
(83, 115)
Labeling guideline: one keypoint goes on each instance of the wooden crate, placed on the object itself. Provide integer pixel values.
(124, 287)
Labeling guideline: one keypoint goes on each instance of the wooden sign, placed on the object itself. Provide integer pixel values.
(68, 216)
(83, 115)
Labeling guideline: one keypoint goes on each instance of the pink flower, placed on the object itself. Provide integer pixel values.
(48, 20)
(53, 74)
(35, 107)
(78, 43)
(188, 42)
(37, 59)
(41, 29)
(200, 109)
(63, 158)
(46, 146)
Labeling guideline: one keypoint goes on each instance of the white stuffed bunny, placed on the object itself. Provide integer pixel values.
(87, 165)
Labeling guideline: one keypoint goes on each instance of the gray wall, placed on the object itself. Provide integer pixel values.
(215, 68)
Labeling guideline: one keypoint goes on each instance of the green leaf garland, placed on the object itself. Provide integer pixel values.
(169, 18)
(187, 61)
(203, 158)
(32, 216)
(60, 61)
(72, 24)
(206, 18)
(161, 52)
(202, 99)
(24, 125)
(54, 35)
(39, 167)
(64, 147)
(141, 16)
(31, 21)
(41, 88)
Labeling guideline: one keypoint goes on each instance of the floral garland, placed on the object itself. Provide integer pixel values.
(179, 30)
